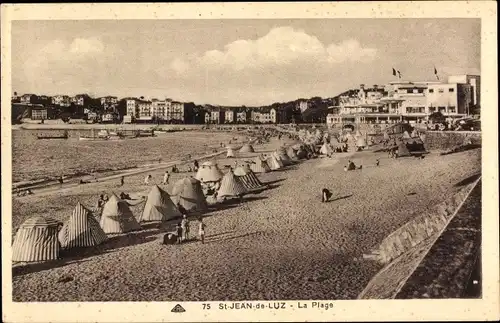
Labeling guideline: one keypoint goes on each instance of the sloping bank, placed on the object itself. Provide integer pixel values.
(434, 254)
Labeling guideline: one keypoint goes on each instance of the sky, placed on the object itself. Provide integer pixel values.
(236, 62)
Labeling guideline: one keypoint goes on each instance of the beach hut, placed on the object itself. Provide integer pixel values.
(36, 240)
(189, 193)
(117, 217)
(248, 178)
(209, 172)
(247, 148)
(159, 206)
(231, 186)
(81, 230)
(259, 166)
(230, 152)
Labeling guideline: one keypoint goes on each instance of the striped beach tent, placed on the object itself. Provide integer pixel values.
(259, 166)
(247, 148)
(209, 172)
(273, 163)
(81, 229)
(189, 193)
(325, 149)
(248, 178)
(159, 206)
(361, 142)
(36, 240)
(231, 186)
(117, 217)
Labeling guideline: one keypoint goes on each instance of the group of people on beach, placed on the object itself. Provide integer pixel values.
(183, 229)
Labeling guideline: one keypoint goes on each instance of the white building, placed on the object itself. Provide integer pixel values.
(229, 116)
(61, 100)
(474, 81)
(241, 117)
(131, 107)
(78, 100)
(215, 116)
(303, 105)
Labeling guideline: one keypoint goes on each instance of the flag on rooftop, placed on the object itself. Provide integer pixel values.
(393, 71)
(436, 73)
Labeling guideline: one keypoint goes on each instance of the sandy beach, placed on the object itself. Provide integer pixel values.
(282, 243)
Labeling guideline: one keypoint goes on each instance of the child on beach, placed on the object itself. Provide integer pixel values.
(122, 180)
(185, 227)
(166, 177)
(179, 233)
(201, 231)
(147, 179)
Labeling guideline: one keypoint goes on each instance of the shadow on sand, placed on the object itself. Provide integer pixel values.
(468, 180)
(274, 182)
(340, 198)
(78, 255)
(233, 237)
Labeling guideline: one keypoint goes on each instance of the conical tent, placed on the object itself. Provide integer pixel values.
(278, 159)
(386, 136)
(117, 217)
(358, 134)
(406, 135)
(231, 186)
(283, 157)
(248, 178)
(188, 193)
(325, 149)
(403, 150)
(273, 163)
(291, 153)
(81, 230)
(159, 206)
(230, 152)
(209, 172)
(259, 166)
(36, 240)
(361, 142)
(247, 148)
(301, 153)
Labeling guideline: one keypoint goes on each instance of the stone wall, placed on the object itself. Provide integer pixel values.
(404, 249)
(441, 140)
(419, 229)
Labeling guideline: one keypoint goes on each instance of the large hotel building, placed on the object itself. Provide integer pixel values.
(405, 101)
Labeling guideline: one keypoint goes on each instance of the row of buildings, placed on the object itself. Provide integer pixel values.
(241, 115)
(408, 101)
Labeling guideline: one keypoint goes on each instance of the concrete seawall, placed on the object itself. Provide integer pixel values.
(403, 250)
(439, 140)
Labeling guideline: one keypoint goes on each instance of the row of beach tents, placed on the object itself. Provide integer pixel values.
(41, 238)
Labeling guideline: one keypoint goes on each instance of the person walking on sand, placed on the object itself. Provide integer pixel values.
(60, 180)
(147, 179)
(178, 230)
(166, 177)
(201, 230)
(196, 165)
(185, 227)
(122, 180)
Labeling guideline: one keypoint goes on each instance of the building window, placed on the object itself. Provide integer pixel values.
(420, 90)
(431, 90)
(452, 110)
(451, 89)
(440, 90)
(409, 109)
(432, 109)
(442, 109)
